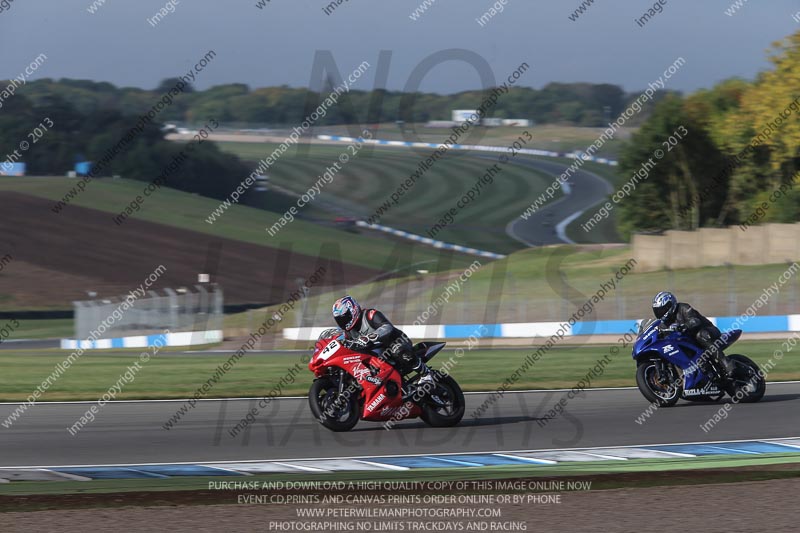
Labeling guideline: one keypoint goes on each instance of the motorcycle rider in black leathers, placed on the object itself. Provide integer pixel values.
(685, 318)
(367, 329)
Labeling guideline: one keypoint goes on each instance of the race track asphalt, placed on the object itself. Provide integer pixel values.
(132, 432)
(541, 228)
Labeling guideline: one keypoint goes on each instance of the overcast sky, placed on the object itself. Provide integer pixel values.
(276, 45)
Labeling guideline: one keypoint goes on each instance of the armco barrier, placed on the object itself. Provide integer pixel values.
(183, 338)
(474, 147)
(755, 324)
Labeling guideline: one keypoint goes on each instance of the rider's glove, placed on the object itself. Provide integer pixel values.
(363, 341)
(354, 344)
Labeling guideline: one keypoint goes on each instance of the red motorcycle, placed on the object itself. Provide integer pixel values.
(351, 385)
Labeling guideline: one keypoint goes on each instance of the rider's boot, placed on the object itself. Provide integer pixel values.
(425, 385)
(427, 376)
(428, 384)
(727, 368)
(727, 365)
(721, 362)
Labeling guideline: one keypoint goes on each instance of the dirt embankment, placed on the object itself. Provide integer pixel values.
(57, 258)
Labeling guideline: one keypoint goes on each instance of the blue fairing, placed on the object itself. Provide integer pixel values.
(677, 349)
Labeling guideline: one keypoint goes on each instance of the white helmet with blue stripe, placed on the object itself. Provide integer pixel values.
(664, 305)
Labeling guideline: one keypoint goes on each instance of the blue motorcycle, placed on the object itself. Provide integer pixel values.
(669, 367)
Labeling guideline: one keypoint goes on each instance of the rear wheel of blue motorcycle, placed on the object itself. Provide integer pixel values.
(322, 397)
(654, 391)
(449, 391)
(747, 374)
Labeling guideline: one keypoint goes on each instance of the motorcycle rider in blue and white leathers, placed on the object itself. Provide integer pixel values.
(683, 317)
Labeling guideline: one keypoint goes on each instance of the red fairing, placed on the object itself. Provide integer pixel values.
(372, 373)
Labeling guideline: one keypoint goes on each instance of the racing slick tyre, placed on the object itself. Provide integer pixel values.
(654, 391)
(748, 380)
(449, 411)
(335, 415)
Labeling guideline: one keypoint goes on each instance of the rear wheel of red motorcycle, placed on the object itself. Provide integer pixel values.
(451, 413)
(322, 396)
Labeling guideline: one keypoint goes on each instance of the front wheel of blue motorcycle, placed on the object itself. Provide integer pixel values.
(659, 382)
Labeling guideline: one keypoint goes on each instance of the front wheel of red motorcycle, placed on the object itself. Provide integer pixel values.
(447, 409)
(335, 412)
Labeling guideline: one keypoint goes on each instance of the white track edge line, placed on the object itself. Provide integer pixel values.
(241, 399)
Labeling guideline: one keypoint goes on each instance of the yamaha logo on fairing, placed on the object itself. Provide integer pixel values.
(374, 403)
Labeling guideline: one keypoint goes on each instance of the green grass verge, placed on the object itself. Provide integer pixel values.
(370, 177)
(47, 328)
(439, 188)
(530, 290)
(178, 375)
(601, 232)
(529, 293)
(572, 470)
(554, 137)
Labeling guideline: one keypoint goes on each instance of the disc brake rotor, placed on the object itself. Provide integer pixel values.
(663, 390)
(332, 407)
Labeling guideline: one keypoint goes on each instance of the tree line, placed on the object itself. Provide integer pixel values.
(739, 161)
(579, 104)
(88, 135)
